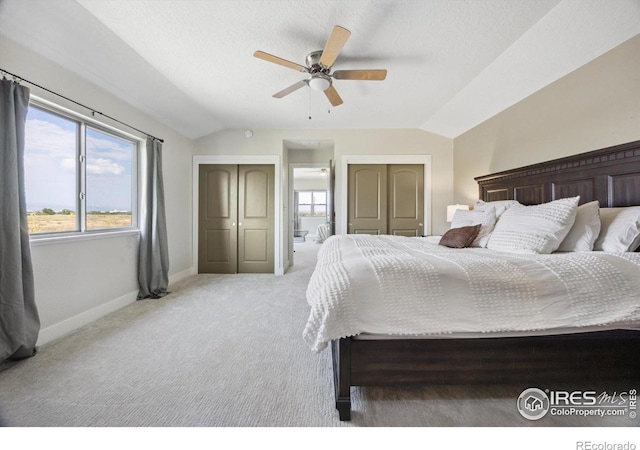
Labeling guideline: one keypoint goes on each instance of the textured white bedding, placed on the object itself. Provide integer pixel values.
(411, 286)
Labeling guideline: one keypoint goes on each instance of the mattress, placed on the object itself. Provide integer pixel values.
(400, 286)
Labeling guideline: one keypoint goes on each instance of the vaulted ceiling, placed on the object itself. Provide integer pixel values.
(451, 63)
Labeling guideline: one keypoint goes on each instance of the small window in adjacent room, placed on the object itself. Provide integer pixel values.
(320, 203)
(79, 176)
(312, 203)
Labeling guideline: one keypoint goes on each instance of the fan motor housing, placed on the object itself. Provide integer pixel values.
(313, 63)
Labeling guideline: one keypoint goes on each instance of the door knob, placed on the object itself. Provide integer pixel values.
(239, 224)
(233, 224)
(420, 224)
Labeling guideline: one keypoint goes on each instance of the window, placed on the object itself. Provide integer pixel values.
(312, 203)
(78, 176)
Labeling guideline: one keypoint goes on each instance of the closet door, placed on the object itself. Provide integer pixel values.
(367, 199)
(406, 199)
(256, 218)
(217, 211)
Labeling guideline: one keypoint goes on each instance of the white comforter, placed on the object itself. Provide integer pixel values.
(408, 286)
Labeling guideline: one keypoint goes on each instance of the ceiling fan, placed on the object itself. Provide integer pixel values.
(318, 67)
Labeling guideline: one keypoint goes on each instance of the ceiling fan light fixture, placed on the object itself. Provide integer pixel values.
(319, 82)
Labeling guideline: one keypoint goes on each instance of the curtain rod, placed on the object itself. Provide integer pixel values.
(93, 111)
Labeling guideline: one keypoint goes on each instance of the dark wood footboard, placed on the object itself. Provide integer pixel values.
(558, 361)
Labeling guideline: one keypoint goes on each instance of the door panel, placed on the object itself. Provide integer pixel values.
(255, 245)
(406, 199)
(218, 246)
(255, 193)
(217, 211)
(256, 218)
(367, 199)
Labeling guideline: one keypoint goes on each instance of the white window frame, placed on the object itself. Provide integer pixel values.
(56, 237)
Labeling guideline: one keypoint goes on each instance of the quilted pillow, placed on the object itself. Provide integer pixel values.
(534, 229)
(585, 229)
(620, 229)
(487, 220)
(460, 237)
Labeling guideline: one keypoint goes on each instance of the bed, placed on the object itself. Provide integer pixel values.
(390, 316)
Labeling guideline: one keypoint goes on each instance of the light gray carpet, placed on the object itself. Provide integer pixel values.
(227, 350)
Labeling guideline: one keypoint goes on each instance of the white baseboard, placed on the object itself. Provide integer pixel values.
(73, 323)
(181, 275)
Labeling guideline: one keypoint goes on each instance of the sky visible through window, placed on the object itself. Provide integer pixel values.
(108, 172)
(51, 165)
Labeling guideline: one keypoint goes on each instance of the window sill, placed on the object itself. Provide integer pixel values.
(40, 240)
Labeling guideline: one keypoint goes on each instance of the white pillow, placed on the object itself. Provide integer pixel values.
(534, 229)
(620, 229)
(500, 205)
(585, 229)
(487, 220)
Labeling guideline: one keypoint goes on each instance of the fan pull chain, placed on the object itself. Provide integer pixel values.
(309, 103)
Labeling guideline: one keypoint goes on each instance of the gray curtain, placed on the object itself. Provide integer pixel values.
(153, 265)
(19, 321)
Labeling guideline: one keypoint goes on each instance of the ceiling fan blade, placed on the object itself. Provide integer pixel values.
(333, 96)
(333, 46)
(290, 89)
(377, 75)
(280, 61)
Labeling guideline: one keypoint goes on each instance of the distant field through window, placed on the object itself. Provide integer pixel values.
(78, 177)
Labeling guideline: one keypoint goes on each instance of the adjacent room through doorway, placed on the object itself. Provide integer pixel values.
(310, 213)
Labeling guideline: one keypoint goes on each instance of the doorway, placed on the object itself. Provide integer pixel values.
(310, 205)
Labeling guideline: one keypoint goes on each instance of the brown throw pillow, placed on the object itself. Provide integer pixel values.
(460, 237)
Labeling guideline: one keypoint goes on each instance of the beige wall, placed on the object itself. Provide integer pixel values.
(596, 106)
(297, 156)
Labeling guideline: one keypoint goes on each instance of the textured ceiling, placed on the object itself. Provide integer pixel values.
(451, 63)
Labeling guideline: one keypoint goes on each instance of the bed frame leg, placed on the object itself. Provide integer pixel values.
(341, 356)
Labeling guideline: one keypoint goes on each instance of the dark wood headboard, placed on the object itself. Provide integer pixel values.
(610, 175)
